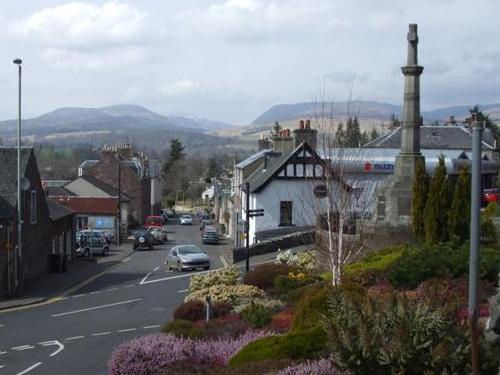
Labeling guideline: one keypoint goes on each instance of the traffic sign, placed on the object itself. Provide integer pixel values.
(256, 214)
(258, 210)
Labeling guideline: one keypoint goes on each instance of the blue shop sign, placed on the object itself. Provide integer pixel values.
(383, 167)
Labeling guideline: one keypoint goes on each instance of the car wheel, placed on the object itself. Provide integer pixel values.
(150, 247)
(179, 268)
(105, 251)
(135, 247)
(86, 252)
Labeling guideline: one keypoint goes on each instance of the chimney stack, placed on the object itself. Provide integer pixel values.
(283, 143)
(305, 134)
(264, 143)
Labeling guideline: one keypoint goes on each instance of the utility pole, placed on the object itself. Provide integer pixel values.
(19, 251)
(474, 240)
(247, 225)
(119, 228)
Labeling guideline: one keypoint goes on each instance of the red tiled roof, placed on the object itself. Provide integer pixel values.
(85, 205)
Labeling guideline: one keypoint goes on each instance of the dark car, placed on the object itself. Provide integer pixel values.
(210, 235)
(143, 240)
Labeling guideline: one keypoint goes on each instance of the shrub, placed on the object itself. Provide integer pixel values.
(230, 326)
(286, 283)
(233, 294)
(310, 308)
(417, 264)
(197, 310)
(393, 336)
(258, 315)
(282, 321)
(305, 260)
(322, 366)
(263, 275)
(224, 276)
(297, 345)
(159, 352)
(373, 268)
(182, 328)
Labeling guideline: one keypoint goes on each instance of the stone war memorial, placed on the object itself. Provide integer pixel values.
(394, 198)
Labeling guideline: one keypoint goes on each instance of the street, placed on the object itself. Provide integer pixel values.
(77, 333)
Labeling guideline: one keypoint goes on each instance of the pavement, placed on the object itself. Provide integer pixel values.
(76, 332)
(52, 285)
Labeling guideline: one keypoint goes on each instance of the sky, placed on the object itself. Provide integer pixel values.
(230, 60)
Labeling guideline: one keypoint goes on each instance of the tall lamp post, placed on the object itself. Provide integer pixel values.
(19, 251)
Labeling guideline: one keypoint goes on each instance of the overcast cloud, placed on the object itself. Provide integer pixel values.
(230, 60)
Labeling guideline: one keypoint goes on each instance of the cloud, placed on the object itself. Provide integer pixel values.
(180, 87)
(83, 25)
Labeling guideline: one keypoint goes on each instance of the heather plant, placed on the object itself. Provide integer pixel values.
(322, 366)
(159, 352)
(196, 310)
(236, 295)
(224, 276)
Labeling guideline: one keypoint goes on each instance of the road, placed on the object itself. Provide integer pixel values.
(77, 334)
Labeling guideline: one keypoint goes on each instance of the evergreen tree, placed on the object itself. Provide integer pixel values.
(340, 135)
(374, 134)
(394, 122)
(418, 201)
(458, 216)
(353, 132)
(213, 169)
(436, 208)
(276, 129)
(364, 138)
(174, 154)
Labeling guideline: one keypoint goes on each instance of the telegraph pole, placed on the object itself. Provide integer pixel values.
(247, 225)
(474, 240)
(19, 251)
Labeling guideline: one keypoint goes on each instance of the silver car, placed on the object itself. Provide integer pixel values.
(186, 220)
(184, 257)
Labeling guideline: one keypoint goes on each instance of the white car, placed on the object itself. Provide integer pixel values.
(186, 220)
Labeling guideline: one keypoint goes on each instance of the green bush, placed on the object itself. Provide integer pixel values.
(395, 335)
(263, 275)
(373, 267)
(286, 283)
(296, 345)
(310, 308)
(257, 315)
(181, 327)
(417, 264)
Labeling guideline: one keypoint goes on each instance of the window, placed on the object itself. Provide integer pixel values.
(286, 213)
(33, 207)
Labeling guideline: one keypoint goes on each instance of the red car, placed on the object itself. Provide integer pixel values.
(155, 221)
(490, 195)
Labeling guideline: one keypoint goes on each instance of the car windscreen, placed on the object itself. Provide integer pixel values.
(188, 250)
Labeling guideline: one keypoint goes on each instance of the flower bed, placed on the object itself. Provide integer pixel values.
(236, 295)
(151, 354)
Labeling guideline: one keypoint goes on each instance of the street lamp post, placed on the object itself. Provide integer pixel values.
(19, 251)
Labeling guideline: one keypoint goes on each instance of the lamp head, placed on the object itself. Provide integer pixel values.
(18, 61)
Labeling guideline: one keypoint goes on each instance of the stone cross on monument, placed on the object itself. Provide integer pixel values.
(410, 154)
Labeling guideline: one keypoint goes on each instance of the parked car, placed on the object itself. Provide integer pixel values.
(205, 222)
(184, 257)
(154, 221)
(159, 235)
(210, 235)
(490, 196)
(143, 239)
(186, 220)
(91, 243)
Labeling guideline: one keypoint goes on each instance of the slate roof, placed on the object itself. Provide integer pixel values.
(108, 189)
(8, 177)
(57, 191)
(435, 137)
(57, 211)
(253, 158)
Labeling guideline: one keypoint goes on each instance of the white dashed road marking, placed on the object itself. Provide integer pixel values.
(23, 347)
(127, 330)
(150, 327)
(74, 338)
(2, 352)
(156, 269)
(183, 291)
(29, 368)
(96, 307)
(96, 291)
(111, 289)
(101, 334)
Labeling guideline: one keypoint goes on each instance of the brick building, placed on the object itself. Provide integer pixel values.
(131, 173)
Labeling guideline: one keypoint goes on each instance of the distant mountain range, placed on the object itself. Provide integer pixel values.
(363, 109)
(116, 117)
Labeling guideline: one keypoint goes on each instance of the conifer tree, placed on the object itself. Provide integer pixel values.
(374, 134)
(458, 216)
(419, 199)
(353, 132)
(340, 135)
(436, 208)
